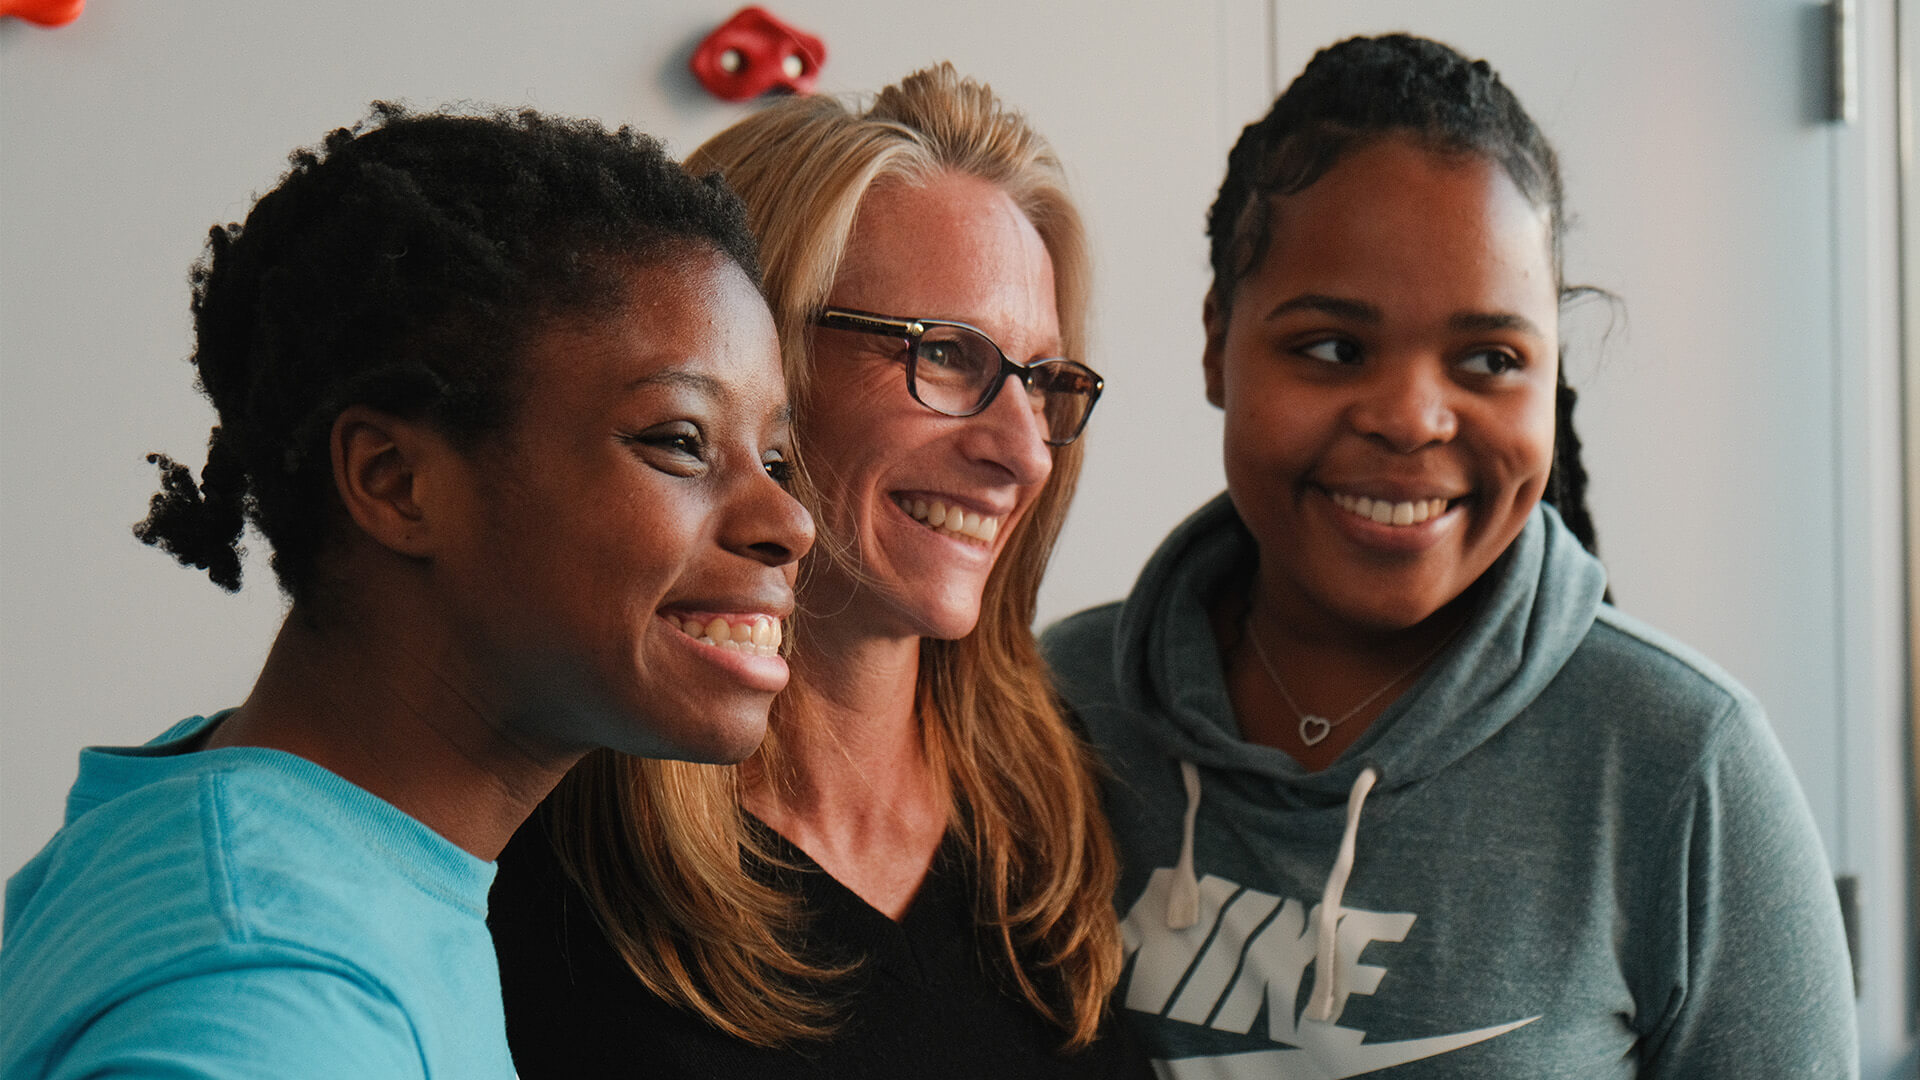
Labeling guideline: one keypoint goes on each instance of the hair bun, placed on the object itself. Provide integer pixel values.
(200, 524)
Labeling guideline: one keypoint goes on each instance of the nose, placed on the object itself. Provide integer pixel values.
(768, 524)
(1407, 406)
(1009, 433)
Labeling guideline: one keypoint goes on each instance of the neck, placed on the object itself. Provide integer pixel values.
(1283, 668)
(365, 700)
(851, 784)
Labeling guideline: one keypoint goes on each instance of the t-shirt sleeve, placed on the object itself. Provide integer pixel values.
(1760, 985)
(286, 1023)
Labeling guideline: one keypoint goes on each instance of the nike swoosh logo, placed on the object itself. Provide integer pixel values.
(1329, 1062)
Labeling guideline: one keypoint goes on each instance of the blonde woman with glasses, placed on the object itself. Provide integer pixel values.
(912, 877)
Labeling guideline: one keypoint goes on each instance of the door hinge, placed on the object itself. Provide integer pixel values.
(1843, 61)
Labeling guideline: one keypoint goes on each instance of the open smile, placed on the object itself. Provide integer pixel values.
(1397, 512)
(950, 519)
(754, 634)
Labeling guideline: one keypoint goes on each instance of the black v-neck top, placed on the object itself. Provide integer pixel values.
(924, 1002)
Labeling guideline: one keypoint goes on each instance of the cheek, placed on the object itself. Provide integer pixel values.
(837, 475)
(844, 425)
(1532, 440)
(1517, 451)
(1269, 427)
(638, 541)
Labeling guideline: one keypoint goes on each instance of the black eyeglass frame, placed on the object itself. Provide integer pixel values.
(912, 330)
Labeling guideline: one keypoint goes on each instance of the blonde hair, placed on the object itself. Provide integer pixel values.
(663, 850)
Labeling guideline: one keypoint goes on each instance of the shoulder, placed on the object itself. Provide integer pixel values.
(1690, 750)
(1661, 663)
(224, 872)
(1080, 649)
(1655, 689)
(130, 929)
(1738, 925)
(261, 1016)
(164, 873)
(141, 864)
(1669, 732)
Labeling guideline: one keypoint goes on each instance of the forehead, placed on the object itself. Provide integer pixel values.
(1395, 213)
(690, 323)
(956, 247)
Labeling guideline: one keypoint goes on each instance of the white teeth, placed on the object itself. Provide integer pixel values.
(952, 519)
(759, 634)
(1390, 513)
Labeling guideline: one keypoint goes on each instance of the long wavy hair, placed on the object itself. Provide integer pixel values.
(664, 852)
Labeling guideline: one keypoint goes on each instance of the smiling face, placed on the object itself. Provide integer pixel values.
(925, 503)
(1388, 377)
(631, 517)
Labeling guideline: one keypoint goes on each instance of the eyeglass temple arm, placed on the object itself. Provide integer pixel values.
(857, 320)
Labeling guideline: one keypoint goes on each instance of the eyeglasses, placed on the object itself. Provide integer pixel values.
(956, 370)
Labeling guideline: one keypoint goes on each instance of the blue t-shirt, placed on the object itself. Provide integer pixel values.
(243, 912)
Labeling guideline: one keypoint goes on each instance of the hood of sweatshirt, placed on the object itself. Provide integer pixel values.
(1538, 601)
(1535, 606)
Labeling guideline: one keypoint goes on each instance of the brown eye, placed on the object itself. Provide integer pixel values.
(1492, 362)
(941, 354)
(678, 447)
(778, 467)
(1333, 351)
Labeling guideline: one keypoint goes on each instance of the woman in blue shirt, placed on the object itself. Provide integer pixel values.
(503, 396)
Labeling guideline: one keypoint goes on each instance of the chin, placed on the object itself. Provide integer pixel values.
(951, 624)
(726, 736)
(722, 753)
(1394, 615)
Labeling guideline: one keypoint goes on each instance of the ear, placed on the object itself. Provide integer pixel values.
(388, 471)
(1216, 326)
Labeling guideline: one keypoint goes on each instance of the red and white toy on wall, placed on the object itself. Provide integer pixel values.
(753, 53)
(44, 12)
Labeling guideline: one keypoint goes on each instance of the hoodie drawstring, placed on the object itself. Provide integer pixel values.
(1326, 969)
(1183, 899)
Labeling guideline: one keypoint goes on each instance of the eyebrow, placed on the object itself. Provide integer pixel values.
(1481, 322)
(1362, 312)
(1338, 307)
(704, 384)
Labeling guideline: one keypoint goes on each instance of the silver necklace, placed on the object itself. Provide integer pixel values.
(1314, 729)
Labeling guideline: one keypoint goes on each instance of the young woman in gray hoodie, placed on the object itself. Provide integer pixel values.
(1395, 786)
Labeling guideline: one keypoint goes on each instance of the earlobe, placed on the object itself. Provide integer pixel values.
(381, 469)
(1216, 326)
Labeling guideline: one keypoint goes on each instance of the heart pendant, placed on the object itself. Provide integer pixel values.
(1313, 729)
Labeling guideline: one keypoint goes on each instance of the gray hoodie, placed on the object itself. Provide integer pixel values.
(1572, 848)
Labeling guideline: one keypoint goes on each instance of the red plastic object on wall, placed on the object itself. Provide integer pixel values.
(44, 12)
(752, 53)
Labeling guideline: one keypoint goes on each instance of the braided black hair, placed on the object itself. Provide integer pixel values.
(1351, 94)
(403, 264)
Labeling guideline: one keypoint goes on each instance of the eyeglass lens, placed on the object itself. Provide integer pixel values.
(956, 369)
